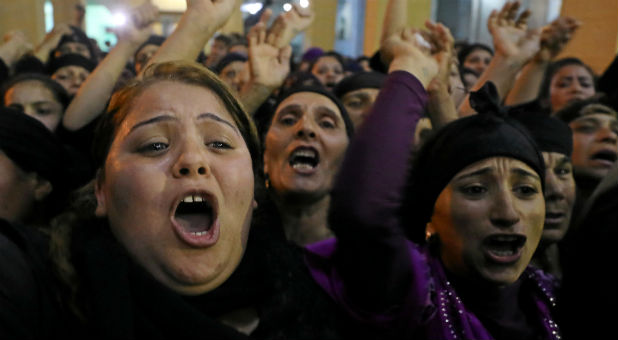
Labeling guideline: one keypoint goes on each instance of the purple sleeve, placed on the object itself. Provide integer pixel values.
(373, 256)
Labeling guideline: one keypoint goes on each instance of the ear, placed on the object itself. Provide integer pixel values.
(101, 209)
(42, 188)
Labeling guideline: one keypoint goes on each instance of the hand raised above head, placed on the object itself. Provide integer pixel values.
(212, 13)
(555, 36)
(137, 29)
(289, 24)
(419, 52)
(268, 63)
(511, 35)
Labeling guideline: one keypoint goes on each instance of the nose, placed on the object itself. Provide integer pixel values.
(607, 135)
(192, 161)
(503, 213)
(554, 191)
(305, 129)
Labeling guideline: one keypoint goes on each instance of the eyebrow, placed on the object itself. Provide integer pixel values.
(163, 118)
(474, 173)
(525, 173)
(214, 117)
(487, 170)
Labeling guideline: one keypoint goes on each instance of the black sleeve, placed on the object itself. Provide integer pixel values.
(27, 301)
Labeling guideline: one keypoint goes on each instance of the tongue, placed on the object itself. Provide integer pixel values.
(194, 222)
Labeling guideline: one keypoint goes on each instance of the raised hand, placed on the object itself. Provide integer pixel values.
(288, 25)
(268, 64)
(13, 47)
(51, 40)
(211, 13)
(418, 52)
(555, 36)
(137, 30)
(511, 35)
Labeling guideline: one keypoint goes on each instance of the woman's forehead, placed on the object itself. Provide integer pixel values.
(306, 100)
(180, 100)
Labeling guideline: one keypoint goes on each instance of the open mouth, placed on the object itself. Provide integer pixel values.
(605, 156)
(504, 248)
(195, 219)
(304, 159)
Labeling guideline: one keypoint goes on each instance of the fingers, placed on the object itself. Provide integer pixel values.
(522, 21)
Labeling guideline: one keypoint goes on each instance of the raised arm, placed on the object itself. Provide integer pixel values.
(514, 45)
(93, 94)
(554, 38)
(372, 251)
(196, 26)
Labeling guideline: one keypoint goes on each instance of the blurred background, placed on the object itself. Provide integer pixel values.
(351, 27)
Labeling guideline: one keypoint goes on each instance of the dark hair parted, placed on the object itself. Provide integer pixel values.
(333, 54)
(183, 72)
(60, 94)
(551, 71)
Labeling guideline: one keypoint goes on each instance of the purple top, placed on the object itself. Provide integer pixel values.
(372, 270)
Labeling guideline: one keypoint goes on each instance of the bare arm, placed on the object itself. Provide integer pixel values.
(196, 26)
(553, 40)
(93, 94)
(395, 18)
(514, 45)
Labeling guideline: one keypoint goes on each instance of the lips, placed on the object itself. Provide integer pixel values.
(503, 248)
(304, 159)
(554, 219)
(195, 219)
(605, 157)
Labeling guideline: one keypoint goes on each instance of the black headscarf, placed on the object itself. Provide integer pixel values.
(71, 59)
(228, 59)
(33, 148)
(549, 133)
(361, 80)
(490, 133)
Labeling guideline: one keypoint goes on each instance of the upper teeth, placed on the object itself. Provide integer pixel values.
(193, 198)
(304, 153)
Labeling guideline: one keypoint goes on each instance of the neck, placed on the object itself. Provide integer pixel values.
(305, 223)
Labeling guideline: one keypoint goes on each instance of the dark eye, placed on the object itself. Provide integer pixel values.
(526, 190)
(327, 124)
(562, 171)
(474, 190)
(17, 107)
(355, 104)
(43, 112)
(155, 147)
(219, 145)
(287, 120)
(585, 128)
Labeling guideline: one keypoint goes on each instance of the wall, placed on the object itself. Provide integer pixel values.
(418, 12)
(596, 40)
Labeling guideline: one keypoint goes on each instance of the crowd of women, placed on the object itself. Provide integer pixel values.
(434, 190)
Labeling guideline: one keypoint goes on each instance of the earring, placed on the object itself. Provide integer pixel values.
(428, 235)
